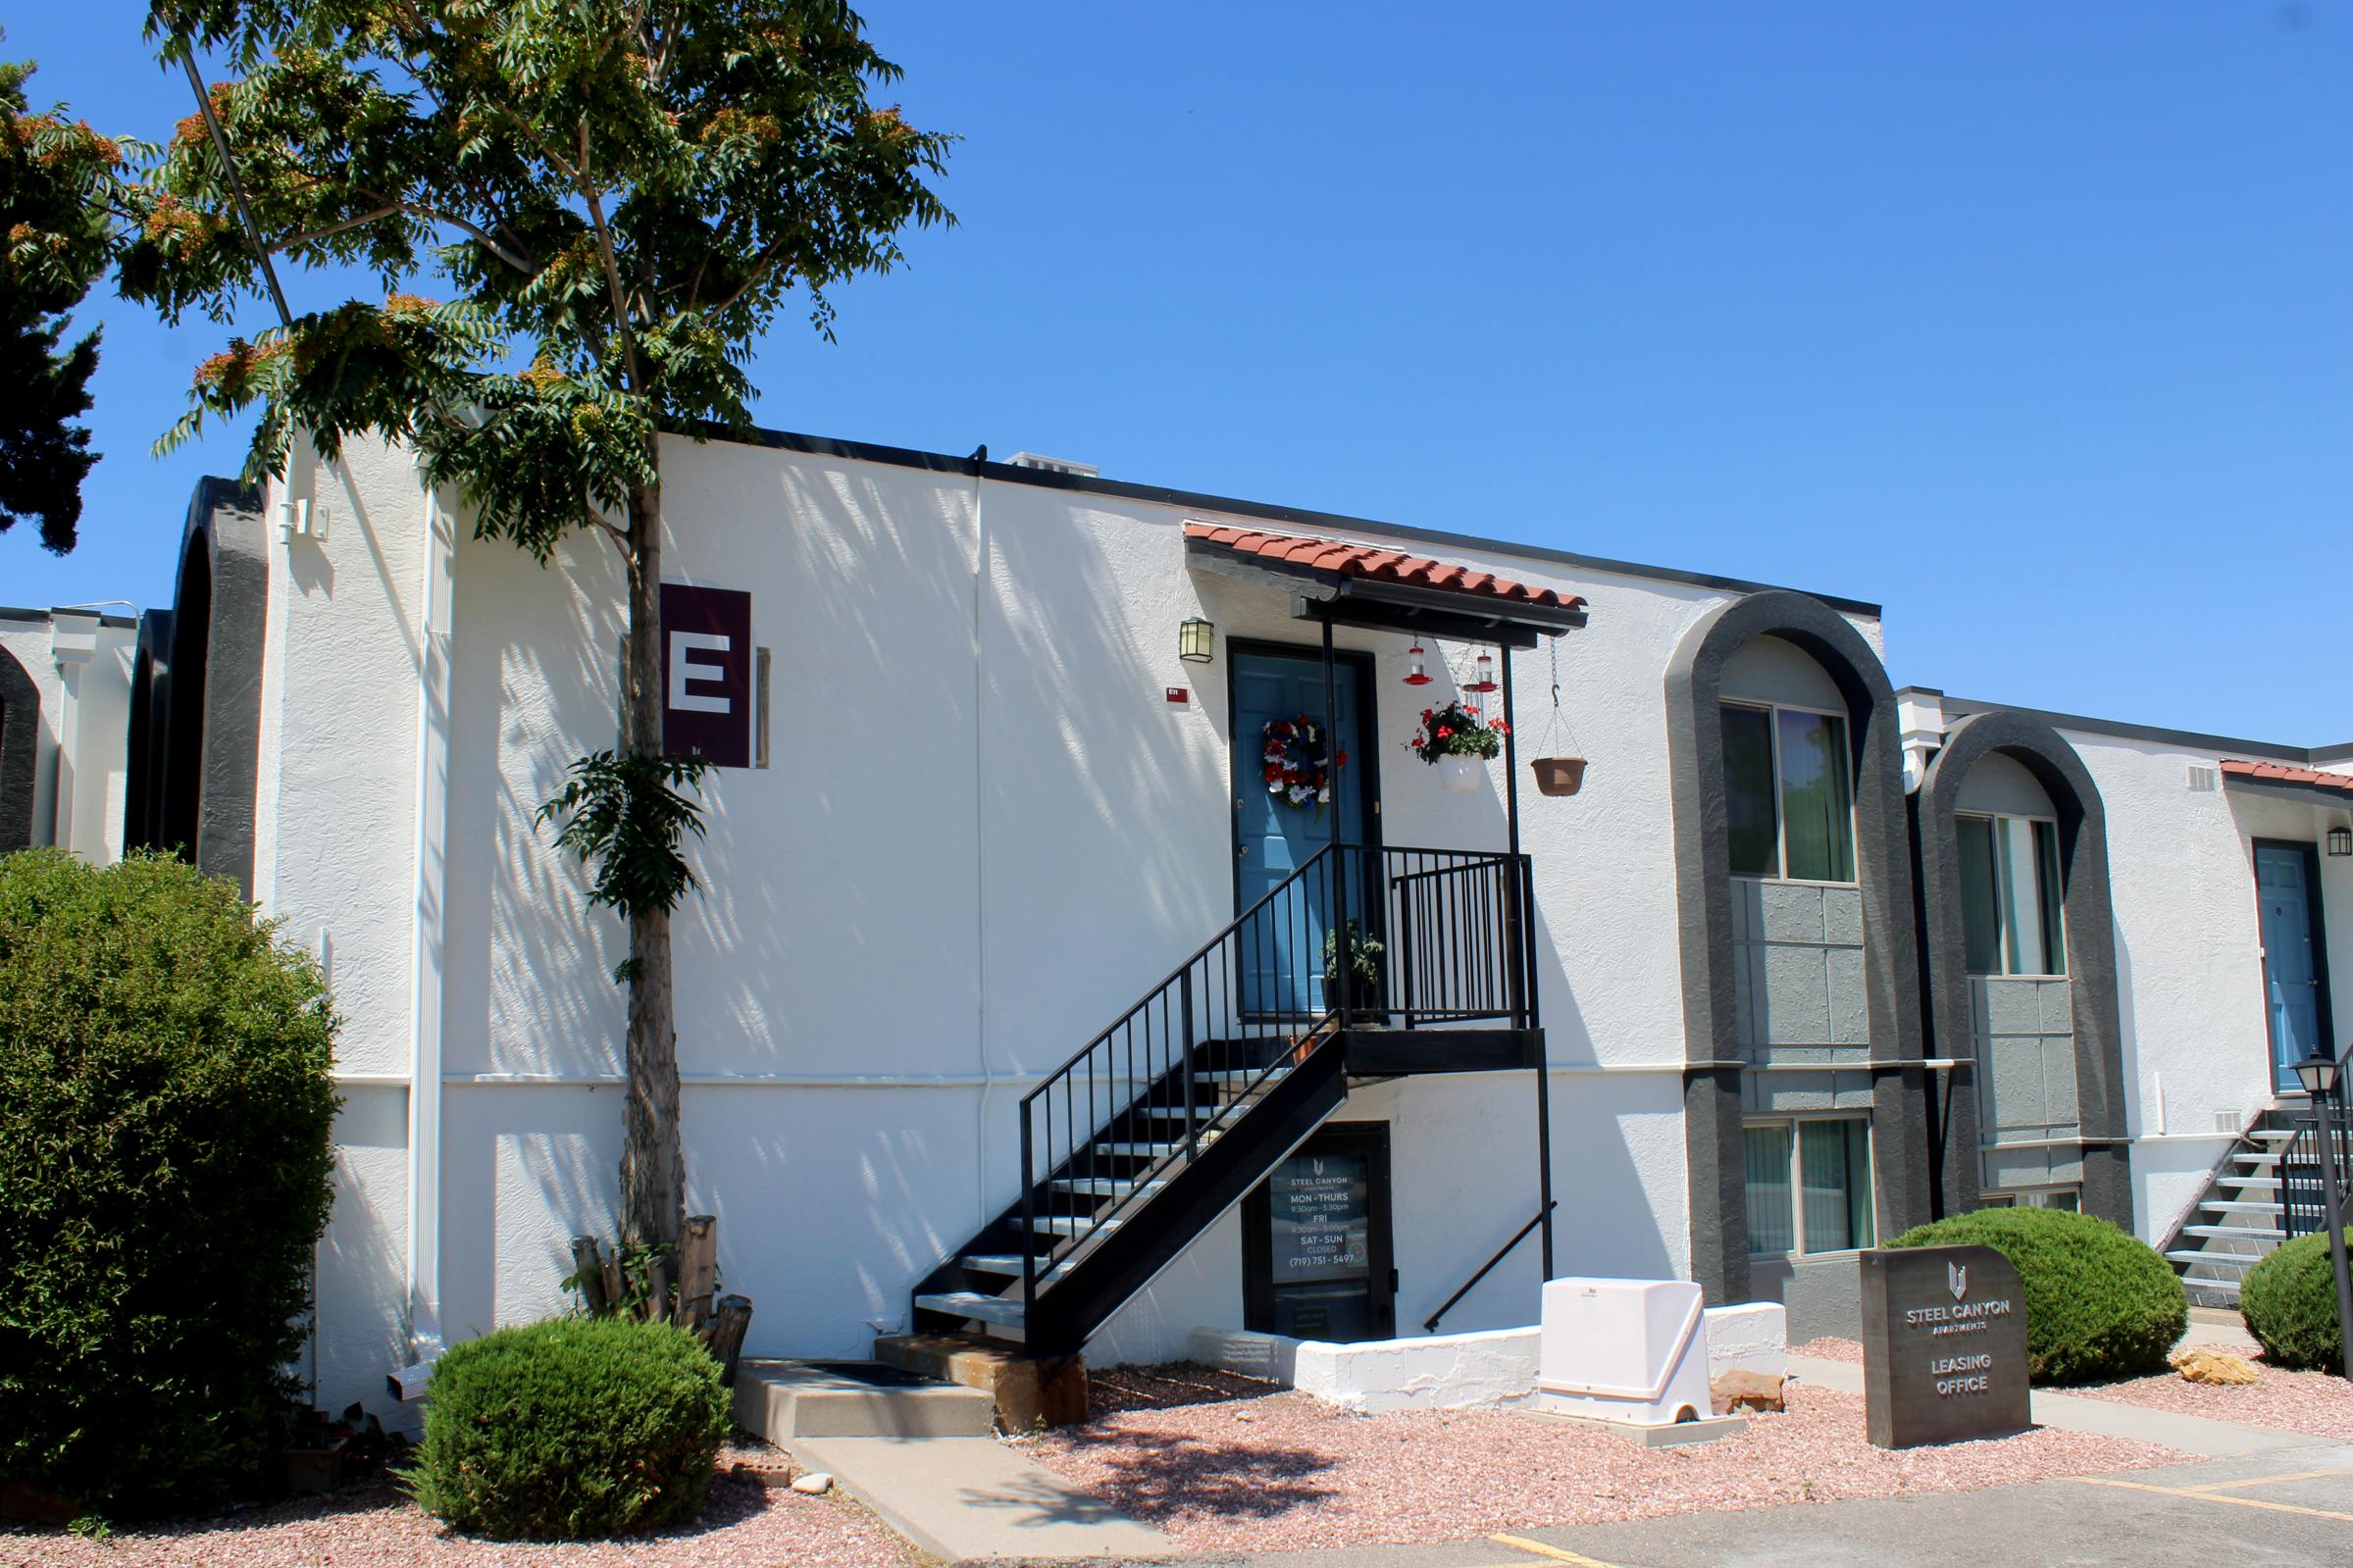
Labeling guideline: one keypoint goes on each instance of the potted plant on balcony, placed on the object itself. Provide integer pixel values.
(1360, 990)
(1454, 739)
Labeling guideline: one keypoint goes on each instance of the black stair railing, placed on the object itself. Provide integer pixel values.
(2303, 1206)
(1358, 936)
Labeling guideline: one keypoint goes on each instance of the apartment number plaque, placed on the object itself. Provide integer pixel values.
(1944, 1346)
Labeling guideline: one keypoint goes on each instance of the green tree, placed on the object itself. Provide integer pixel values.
(57, 237)
(616, 197)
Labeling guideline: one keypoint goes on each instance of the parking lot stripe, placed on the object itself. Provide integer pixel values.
(1556, 1553)
(2265, 1480)
(2212, 1496)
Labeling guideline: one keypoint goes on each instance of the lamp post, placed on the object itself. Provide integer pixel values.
(2318, 1074)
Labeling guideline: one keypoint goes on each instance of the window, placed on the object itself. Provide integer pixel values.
(2069, 1198)
(1809, 1184)
(2012, 919)
(1788, 794)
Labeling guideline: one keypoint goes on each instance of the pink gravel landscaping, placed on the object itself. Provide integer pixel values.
(376, 1526)
(1223, 1464)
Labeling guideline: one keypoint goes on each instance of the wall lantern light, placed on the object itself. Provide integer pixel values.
(1486, 680)
(2340, 840)
(1197, 640)
(1418, 670)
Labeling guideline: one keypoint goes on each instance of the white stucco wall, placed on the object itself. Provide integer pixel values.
(81, 757)
(2189, 963)
(984, 833)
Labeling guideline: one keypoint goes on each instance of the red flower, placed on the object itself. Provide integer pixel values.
(1499, 727)
(1274, 772)
(1340, 761)
(1444, 732)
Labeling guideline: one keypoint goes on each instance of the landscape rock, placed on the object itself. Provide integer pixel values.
(816, 1483)
(1736, 1390)
(2213, 1366)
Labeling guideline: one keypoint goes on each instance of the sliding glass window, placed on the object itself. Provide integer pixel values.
(1789, 801)
(2013, 913)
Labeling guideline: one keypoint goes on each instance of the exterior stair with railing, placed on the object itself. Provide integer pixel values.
(1135, 1146)
(2239, 1219)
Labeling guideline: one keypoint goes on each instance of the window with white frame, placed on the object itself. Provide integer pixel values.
(2012, 914)
(1789, 796)
(2069, 1198)
(1809, 1184)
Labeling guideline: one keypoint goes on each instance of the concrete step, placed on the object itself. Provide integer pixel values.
(782, 1400)
(995, 1310)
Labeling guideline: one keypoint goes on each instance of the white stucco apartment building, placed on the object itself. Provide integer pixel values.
(1805, 960)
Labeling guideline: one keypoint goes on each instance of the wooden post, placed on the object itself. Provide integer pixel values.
(728, 1328)
(697, 1270)
(610, 1267)
(589, 1269)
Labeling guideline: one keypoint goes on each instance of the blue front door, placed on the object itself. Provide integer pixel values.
(2291, 975)
(1282, 949)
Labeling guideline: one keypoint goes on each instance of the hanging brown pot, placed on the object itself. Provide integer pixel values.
(1559, 776)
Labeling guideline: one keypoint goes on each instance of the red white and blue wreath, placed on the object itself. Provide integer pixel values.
(1299, 764)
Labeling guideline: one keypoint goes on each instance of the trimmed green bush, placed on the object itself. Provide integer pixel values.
(165, 1111)
(2289, 1301)
(2100, 1303)
(571, 1428)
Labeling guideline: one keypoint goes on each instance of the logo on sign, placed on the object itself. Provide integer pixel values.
(706, 673)
(1957, 1275)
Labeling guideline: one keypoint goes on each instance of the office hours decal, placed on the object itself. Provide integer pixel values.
(707, 674)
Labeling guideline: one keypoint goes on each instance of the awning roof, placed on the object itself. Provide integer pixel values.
(1363, 584)
(2280, 773)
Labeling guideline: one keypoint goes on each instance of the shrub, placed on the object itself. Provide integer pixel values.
(2289, 1301)
(165, 1111)
(2100, 1303)
(571, 1428)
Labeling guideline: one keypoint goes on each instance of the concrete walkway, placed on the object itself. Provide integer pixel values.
(966, 1498)
(2073, 1412)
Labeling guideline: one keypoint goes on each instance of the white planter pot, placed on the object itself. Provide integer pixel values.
(1460, 774)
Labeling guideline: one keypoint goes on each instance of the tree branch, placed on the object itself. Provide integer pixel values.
(618, 291)
(330, 229)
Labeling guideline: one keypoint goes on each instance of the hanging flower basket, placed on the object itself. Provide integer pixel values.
(1456, 739)
(1559, 776)
(1298, 763)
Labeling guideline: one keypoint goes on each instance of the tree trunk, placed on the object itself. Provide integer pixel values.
(654, 1169)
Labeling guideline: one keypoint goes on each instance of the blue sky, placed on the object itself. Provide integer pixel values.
(2033, 322)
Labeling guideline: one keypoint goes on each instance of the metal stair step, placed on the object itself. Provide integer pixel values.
(2269, 1183)
(2271, 1134)
(1008, 1264)
(993, 1309)
(2239, 1205)
(2220, 1287)
(2259, 1157)
(1150, 1151)
(2233, 1233)
(1072, 1224)
(1103, 1185)
(2230, 1261)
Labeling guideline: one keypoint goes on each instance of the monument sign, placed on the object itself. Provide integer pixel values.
(1944, 1346)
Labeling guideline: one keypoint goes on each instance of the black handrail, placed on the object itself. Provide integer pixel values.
(2303, 1206)
(1450, 949)
(1430, 1324)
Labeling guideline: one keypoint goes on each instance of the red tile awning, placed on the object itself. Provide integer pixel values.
(1337, 561)
(2283, 773)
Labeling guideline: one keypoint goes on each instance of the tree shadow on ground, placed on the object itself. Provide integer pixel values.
(1156, 1477)
(1117, 1390)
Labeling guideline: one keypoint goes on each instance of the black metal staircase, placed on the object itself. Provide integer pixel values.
(1365, 960)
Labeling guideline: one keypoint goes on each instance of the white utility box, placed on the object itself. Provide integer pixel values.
(1624, 1351)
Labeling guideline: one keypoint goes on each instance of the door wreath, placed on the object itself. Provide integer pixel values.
(1298, 763)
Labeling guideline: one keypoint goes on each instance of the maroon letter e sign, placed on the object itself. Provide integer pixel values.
(706, 673)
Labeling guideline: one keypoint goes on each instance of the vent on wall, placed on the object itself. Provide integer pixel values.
(2229, 1122)
(2203, 781)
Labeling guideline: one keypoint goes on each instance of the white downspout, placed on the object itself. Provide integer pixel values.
(427, 925)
